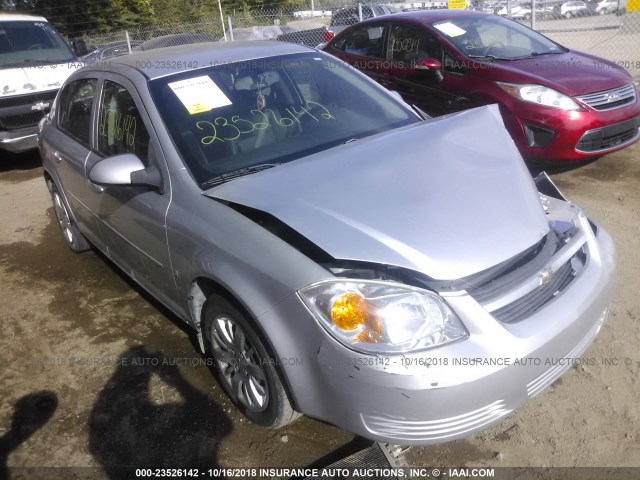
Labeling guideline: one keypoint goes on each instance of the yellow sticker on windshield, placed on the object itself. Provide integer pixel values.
(457, 4)
(199, 94)
(449, 29)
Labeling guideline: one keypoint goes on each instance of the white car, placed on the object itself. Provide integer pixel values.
(35, 60)
(606, 6)
(574, 9)
(518, 11)
(521, 12)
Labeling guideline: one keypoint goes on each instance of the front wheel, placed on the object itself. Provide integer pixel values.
(70, 232)
(245, 369)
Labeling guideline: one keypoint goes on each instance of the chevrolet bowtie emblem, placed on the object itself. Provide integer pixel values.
(39, 106)
(545, 276)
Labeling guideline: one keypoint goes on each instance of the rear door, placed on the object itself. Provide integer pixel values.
(364, 48)
(67, 144)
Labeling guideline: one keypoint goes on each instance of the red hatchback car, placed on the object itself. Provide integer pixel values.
(558, 104)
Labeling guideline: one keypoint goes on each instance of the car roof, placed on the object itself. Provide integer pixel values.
(18, 17)
(176, 39)
(427, 16)
(167, 61)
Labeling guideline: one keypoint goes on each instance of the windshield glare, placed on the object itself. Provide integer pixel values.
(495, 37)
(31, 43)
(229, 117)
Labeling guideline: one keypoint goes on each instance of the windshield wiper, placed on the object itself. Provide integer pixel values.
(241, 172)
(537, 54)
(421, 113)
(490, 57)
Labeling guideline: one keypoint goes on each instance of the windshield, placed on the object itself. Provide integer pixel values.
(245, 116)
(31, 43)
(492, 36)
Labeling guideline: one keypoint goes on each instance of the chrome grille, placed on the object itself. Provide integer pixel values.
(29, 99)
(610, 99)
(13, 122)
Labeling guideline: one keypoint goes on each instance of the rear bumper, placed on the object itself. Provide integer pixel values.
(21, 140)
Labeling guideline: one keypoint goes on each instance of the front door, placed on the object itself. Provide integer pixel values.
(133, 217)
(407, 46)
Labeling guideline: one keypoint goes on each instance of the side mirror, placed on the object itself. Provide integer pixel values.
(125, 169)
(397, 95)
(430, 66)
(79, 47)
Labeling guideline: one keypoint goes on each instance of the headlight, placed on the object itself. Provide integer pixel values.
(540, 95)
(382, 317)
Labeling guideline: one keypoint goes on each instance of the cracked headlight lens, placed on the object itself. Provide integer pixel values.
(382, 317)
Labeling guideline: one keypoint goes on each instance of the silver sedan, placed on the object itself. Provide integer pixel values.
(338, 254)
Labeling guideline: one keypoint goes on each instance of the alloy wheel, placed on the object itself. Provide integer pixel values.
(240, 364)
(63, 217)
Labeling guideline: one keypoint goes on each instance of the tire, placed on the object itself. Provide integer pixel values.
(70, 232)
(568, 15)
(244, 367)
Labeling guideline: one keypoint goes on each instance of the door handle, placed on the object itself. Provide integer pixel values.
(57, 156)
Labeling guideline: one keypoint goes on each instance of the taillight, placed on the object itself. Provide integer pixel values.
(328, 35)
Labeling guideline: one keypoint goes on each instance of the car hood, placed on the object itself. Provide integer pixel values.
(22, 81)
(572, 73)
(449, 197)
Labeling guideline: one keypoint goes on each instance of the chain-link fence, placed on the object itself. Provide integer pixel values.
(603, 28)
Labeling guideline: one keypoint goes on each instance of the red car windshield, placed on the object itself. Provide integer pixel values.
(495, 37)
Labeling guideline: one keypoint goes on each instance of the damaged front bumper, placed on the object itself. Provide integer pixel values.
(445, 393)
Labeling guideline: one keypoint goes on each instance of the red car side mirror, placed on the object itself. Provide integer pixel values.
(428, 64)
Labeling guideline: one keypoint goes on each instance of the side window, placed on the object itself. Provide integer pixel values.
(408, 44)
(365, 41)
(74, 109)
(120, 126)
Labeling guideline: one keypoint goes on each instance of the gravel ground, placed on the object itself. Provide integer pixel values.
(75, 393)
